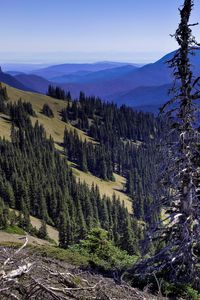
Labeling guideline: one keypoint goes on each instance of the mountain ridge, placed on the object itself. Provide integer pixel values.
(145, 87)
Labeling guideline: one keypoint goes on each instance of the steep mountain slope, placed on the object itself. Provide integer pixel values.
(12, 81)
(145, 98)
(37, 181)
(55, 127)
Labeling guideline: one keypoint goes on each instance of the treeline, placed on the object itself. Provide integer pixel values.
(109, 121)
(36, 180)
(58, 93)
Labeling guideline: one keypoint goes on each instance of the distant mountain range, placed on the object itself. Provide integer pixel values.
(12, 81)
(34, 82)
(66, 69)
(144, 88)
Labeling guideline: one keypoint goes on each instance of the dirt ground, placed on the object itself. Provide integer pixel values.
(15, 238)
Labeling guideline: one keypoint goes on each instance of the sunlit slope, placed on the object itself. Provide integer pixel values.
(106, 187)
(5, 126)
(55, 127)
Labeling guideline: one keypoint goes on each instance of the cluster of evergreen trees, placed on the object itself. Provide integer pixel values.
(47, 111)
(109, 121)
(58, 93)
(126, 145)
(20, 111)
(88, 156)
(36, 180)
(3, 99)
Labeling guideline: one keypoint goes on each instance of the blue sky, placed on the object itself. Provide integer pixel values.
(43, 31)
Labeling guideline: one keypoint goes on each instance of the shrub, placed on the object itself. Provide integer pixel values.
(102, 252)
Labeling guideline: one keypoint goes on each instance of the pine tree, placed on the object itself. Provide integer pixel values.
(47, 111)
(178, 257)
(83, 159)
(42, 233)
(63, 236)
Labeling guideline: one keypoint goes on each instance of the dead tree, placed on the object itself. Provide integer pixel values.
(178, 258)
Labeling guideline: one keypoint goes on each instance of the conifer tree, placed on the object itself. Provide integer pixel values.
(178, 256)
(47, 111)
(42, 233)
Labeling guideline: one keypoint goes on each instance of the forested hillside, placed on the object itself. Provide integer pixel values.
(126, 145)
(99, 157)
(125, 142)
(56, 198)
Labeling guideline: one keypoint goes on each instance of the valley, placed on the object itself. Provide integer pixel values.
(99, 150)
(55, 128)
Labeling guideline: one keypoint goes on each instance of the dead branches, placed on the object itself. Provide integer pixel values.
(16, 252)
(29, 276)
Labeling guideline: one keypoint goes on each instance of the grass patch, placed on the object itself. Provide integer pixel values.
(15, 230)
(107, 188)
(65, 255)
(101, 260)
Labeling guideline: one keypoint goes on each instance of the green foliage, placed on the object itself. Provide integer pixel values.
(15, 230)
(88, 156)
(102, 252)
(3, 99)
(58, 93)
(42, 232)
(20, 112)
(65, 255)
(180, 290)
(4, 215)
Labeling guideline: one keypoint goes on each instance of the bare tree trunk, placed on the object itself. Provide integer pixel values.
(178, 258)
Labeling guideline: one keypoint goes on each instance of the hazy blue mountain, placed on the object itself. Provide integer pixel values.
(24, 68)
(109, 74)
(34, 82)
(74, 77)
(150, 98)
(14, 73)
(66, 69)
(121, 80)
(144, 98)
(144, 86)
(12, 81)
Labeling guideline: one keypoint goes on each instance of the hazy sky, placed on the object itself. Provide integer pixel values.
(88, 30)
